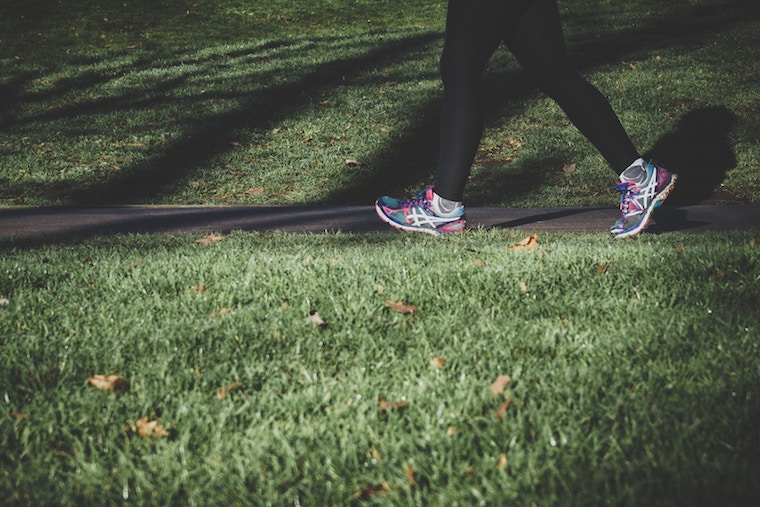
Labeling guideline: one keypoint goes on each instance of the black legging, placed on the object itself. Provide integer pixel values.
(532, 32)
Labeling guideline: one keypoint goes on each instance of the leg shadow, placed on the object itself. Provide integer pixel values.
(700, 153)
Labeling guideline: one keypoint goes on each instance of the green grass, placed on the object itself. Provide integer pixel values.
(633, 364)
(202, 103)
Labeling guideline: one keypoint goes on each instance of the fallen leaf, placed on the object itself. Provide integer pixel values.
(370, 491)
(528, 243)
(111, 383)
(523, 287)
(352, 162)
(224, 392)
(211, 238)
(437, 362)
(568, 168)
(502, 410)
(315, 319)
(254, 191)
(4, 302)
(401, 307)
(499, 384)
(451, 431)
(221, 311)
(18, 415)
(384, 406)
(410, 476)
(602, 268)
(502, 461)
(147, 429)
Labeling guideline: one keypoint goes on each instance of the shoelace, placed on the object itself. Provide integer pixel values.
(628, 190)
(419, 201)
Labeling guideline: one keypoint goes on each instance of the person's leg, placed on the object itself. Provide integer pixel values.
(538, 45)
(473, 32)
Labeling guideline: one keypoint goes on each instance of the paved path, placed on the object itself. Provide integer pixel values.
(75, 222)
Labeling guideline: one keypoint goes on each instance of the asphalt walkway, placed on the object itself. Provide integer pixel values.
(46, 223)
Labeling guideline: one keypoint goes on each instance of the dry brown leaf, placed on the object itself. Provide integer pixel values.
(111, 383)
(602, 268)
(523, 287)
(502, 461)
(410, 476)
(568, 168)
(211, 238)
(502, 410)
(451, 431)
(254, 191)
(401, 307)
(149, 429)
(224, 392)
(384, 406)
(18, 415)
(437, 362)
(375, 489)
(499, 384)
(351, 162)
(529, 243)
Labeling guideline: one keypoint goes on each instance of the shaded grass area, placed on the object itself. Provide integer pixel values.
(200, 103)
(633, 370)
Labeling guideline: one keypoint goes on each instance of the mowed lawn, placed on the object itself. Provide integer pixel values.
(383, 369)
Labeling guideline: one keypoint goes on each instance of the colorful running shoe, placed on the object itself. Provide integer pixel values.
(417, 215)
(638, 201)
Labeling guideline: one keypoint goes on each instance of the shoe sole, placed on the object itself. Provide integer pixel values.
(658, 200)
(406, 228)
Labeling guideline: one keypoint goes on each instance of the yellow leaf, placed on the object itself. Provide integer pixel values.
(111, 383)
(499, 384)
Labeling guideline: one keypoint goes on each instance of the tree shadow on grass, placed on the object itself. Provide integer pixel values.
(397, 164)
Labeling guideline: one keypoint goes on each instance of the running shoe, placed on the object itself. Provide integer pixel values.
(638, 201)
(417, 215)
